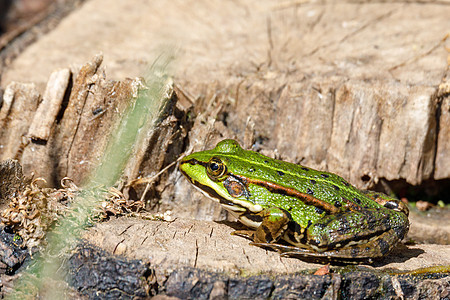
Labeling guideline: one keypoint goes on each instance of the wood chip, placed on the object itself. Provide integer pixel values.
(51, 104)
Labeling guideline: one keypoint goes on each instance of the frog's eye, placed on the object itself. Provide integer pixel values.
(397, 205)
(216, 168)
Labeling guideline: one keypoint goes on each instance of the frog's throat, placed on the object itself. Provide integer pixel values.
(212, 194)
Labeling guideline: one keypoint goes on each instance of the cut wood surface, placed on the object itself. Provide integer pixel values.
(209, 245)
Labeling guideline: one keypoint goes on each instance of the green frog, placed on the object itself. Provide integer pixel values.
(295, 210)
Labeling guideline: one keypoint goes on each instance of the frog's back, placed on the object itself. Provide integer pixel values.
(322, 185)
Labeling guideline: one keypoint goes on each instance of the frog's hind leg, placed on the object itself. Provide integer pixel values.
(364, 252)
(332, 256)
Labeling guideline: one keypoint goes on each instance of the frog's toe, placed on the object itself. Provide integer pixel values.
(249, 234)
(276, 247)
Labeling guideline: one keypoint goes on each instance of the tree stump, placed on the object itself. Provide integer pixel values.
(359, 89)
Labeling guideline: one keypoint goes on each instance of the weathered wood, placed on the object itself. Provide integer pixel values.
(115, 277)
(442, 163)
(193, 283)
(367, 118)
(20, 102)
(68, 139)
(50, 105)
(67, 133)
(12, 181)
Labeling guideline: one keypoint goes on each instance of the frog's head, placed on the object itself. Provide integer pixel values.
(209, 172)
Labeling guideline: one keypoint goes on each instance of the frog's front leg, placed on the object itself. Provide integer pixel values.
(274, 222)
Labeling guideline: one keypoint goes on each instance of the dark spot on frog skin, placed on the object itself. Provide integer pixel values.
(278, 191)
(386, 222)
(336, 187)
(294, 227)
(266, 161)
(384, 246)
(345, 183)
(267, 234)
(337, 204)
(318, 210)
(344, 226)
(309, 223)
(369, 224)
(289, 208)
(309, 191)
(251, 170)
(305, 169)
(280, 173)
(324, 175)
(357, 200)
(400, 231)
(313, 181)
(291, 236)
(253, 217)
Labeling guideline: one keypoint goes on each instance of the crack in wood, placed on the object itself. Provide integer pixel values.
(117, 245)
(354, 32)
(421, 55)
(143, 241)
(123, 231)
(246, 256)
(196, 253)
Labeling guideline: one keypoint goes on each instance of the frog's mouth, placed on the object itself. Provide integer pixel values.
(212, 194)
